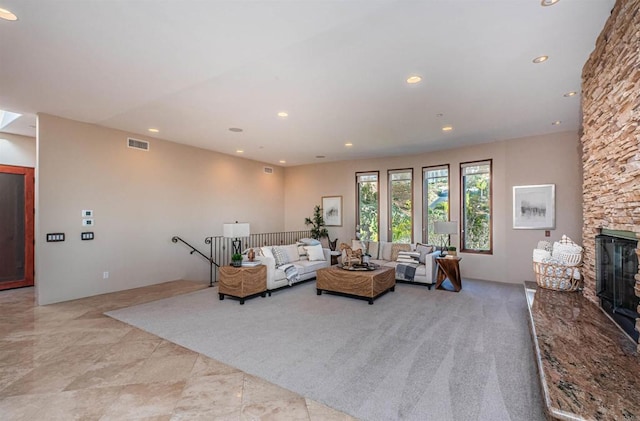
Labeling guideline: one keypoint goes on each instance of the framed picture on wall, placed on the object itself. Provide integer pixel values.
(534, 207)
(332, 211)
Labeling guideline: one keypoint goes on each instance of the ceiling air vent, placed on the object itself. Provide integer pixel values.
(138, 144)
(268, 170)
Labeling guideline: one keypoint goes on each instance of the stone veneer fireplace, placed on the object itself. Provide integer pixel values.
(611, 136)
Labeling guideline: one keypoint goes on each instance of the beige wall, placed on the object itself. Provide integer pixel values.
(17, 150)
(140, 200)
(536, 160)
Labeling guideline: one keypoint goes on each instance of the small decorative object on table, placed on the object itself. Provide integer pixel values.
(251, 255)
(350, 256)
(236, 260)
(451, 251)
(360, 266)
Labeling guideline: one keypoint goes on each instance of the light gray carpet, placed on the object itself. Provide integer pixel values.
(415, 354)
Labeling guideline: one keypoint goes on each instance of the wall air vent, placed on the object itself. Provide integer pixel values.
(268, 170)
(138, 144)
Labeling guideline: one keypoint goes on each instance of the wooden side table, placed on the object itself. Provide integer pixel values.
(449, 268)
(242, 282)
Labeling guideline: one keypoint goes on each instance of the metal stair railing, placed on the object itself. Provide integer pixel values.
(209, 258)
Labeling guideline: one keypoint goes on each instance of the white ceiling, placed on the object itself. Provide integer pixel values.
(194, 69)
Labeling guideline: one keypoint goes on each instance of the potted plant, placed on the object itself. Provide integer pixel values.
(318, 229)
(451, 250)
(236, 260)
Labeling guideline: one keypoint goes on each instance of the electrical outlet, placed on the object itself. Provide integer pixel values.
(105, 275)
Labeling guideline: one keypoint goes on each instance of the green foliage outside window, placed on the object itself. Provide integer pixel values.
(401, 207)
(368, 207)
(436, 206)
(477, 208)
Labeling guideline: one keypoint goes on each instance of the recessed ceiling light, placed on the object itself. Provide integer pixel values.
(447, 128)
(282, 161)
(540, 59)
(556, 123)
(239, 151)
(152, 130)
(572, 93)
(413, 79)
(548, 2)
(320, 156)
(283, 114)
(348, 145)
(235, 129)
(7, 15)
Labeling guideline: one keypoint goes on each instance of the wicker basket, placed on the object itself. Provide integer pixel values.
(557, 277)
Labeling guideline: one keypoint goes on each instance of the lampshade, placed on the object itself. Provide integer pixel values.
(445, 227)
(236, 230)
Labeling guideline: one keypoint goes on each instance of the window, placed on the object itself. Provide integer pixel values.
(367, 213)
(435, 206)
(476, 206)
(400, 206)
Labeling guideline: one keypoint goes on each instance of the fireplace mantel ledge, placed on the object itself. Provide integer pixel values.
(589, 369)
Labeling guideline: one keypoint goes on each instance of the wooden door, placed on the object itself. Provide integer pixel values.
(16, 226)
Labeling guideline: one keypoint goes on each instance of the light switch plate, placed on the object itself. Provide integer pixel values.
(87, 222)
(87, 213)
(55, 237)
(86, 235)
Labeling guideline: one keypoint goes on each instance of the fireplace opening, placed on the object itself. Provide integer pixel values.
(616, 267)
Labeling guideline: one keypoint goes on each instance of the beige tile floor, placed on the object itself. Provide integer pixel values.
(68, 361)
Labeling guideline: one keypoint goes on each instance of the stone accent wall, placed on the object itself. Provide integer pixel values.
(611, 135)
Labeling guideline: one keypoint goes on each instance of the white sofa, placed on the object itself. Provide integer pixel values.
(297, 256)
(381, 254)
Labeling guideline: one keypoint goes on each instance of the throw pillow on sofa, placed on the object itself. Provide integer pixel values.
(267, 252)
(281, 256)
(374, 246)
(397, 248)
(411, 257)
(423, 249)
(315, 253)
(292, 252)
(302, 251)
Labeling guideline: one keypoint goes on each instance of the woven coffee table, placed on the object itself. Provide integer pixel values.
(367, 285)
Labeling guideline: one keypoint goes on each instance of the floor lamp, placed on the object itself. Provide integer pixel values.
(445, 228)
(236, 231)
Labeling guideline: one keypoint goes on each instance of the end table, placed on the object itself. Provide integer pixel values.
(449, 268)
(242, 282)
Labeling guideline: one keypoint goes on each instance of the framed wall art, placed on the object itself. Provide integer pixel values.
(534, 207)
(332, 211)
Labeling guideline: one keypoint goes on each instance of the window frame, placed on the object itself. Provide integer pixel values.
(358, 175)
(425, 213)
(463, 247)
(389, 202)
